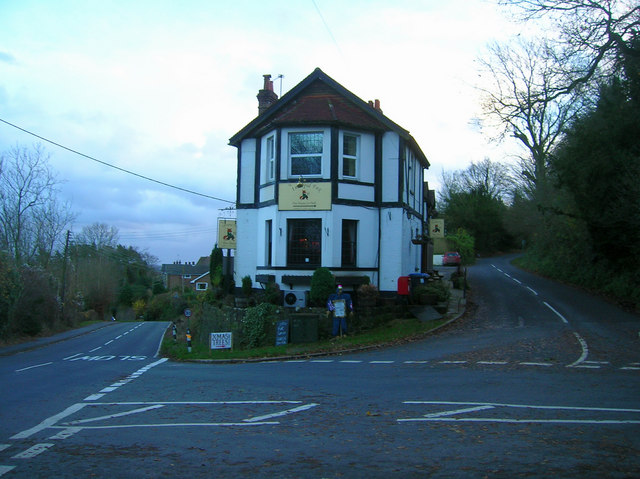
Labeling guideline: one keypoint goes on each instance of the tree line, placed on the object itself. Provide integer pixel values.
(571, 101)
(49, 277)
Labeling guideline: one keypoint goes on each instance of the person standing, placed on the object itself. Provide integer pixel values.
(340, 305)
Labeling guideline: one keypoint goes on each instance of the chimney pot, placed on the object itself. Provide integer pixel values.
(268, 84)
(377, 105)
(266, 96)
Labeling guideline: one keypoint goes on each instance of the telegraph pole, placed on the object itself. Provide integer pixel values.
(64, 274)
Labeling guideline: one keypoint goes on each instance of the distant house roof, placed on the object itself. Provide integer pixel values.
(183, 269)
(318, 99)
(200, 277)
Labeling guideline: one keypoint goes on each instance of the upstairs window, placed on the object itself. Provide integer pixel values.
(305, 154)
(271, 158)
(350, 152)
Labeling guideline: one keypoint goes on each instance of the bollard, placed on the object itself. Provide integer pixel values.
(175, 333)
(188, 340)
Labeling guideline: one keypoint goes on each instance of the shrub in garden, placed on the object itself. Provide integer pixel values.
(272, 293)
(436, 292)
(367, 294)
(323, 284)
(256, 323)
(247, 286)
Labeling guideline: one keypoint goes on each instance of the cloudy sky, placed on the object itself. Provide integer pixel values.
(158, 88)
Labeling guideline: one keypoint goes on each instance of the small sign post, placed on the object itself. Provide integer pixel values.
(187, 314)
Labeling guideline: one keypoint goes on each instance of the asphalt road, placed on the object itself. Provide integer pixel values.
(537, 380)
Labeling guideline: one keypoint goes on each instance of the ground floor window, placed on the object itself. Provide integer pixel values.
(201, 286)
(349, 243)
(304, 242)
(268, 241)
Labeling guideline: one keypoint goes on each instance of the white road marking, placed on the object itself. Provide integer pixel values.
(517, 280)
(416, 362)
(33, 451)
(282, 413)
(381, 362)
(31, 367)
(108, 342)
(350, 361)
(72, 356)
(185, 424)
(5, 469)
(65, 433)
(111, 416)
(322, 361)
(536, 364)
(524, 406)
(459, 411)
(631, 368)
(453, 362)
(50, 421)
(140, 403)
(493, 362)
(564, 320)
(93, 397)
(95, 349)
(585, 351)
(518, 421)
(532, 290)
(4, 446)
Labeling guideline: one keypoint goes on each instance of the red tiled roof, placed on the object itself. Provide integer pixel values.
(321, 104)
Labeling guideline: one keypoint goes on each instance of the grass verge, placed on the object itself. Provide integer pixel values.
(396, 331)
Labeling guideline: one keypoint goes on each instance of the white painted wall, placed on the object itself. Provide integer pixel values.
(393, 251)
(247, 170)
(390, 162)
(246, 246)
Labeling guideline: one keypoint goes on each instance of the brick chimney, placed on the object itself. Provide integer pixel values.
(375, 105)
(266, 96)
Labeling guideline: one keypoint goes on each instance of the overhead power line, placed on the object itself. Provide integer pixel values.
(116, 167)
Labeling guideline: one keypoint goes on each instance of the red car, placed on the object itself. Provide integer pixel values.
(451, 257)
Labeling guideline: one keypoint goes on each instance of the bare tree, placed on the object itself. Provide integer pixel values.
(594, 35)
(98, 235)
(488, 178)
(520, 99)
(31, 217)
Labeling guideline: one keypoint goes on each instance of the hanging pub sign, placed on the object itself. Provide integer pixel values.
(304, 196)
(226, 234)
(436, 228)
